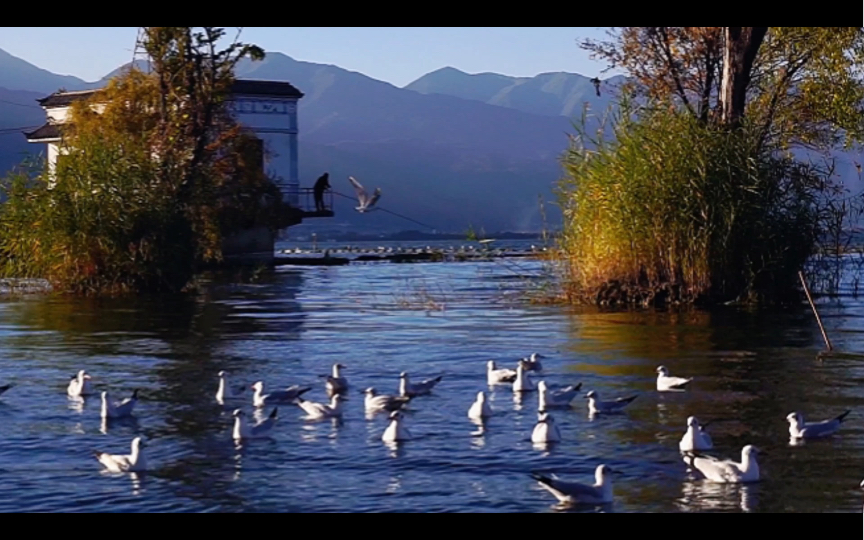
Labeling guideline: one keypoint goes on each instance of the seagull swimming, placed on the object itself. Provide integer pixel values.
(798, 429)
(336, 383)
(322, 410)
(4, 388)
(596, 406)
(558, 399)
(366, 202)
(242, 429)
(119, 409)
(417, 389)
(379, 403)
(696, 438)
(134, 462)
(532, 363)
(523, 382)
(480, 409)
(726, 471)
(666, 383)
(574, 492)
(291, 393)
(396, 431)
(227, 392)
(546, 430)
(498, 376)
(80, 385)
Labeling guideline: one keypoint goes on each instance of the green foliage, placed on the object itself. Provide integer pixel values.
(154, 173)
(677, 204)
(805, 88)
(104, 226)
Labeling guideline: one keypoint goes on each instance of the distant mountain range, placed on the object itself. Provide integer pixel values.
(450, 151)
(447, 150)
(549, 94)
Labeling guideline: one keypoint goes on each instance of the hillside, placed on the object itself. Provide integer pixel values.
(441, 160)
(550, 94)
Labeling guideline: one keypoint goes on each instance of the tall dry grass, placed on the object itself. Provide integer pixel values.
(668, 207)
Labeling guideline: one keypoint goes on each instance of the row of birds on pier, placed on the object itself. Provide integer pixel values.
(692, 445)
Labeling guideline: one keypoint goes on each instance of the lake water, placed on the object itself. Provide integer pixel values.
(290, 325)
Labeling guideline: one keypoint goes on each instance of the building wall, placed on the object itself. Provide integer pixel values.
(274, 120)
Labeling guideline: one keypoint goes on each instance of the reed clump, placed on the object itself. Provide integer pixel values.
(666, 209)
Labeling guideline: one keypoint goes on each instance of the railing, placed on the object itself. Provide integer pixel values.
(304, 200)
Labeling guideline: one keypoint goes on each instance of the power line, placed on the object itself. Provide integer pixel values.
(9, 131)
(20, 104)
(390, 212)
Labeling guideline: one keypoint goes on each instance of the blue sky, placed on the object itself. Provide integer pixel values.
(395, 55)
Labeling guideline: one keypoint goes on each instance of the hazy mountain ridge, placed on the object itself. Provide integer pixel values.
(548, 94)
(441, 160)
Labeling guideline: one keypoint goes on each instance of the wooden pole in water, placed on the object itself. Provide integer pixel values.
(812, 305)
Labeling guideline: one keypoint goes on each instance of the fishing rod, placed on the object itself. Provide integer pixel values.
(389, 212)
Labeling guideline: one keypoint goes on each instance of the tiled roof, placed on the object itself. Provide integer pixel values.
(64, 99)
(251, 87)
(46, 132)
(246, 87)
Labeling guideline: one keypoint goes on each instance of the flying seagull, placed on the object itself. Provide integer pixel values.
(366, 202)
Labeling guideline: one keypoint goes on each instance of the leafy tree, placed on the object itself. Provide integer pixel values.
(698, 198)
(801, 85)
(155, 172)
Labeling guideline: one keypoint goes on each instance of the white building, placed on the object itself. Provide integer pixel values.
(268, 108)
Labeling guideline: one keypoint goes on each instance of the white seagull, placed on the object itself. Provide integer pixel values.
(666, 383)
(380, 403)
(322, 410)
(575, 493)
(532, 363)
(696, 438)
(406, 389)
(523, 382)
(396, 431)
(336, 383)
(80, 385)
(366, 202)
(546, 430)
(242, 429)
(798, 429)
(260, 399)
(726, 471)
(558, 399)
(480, 409)
(4, 388)
(134, 462)
(498, 376)
(118, 409)
(226, 391)
(596, 406)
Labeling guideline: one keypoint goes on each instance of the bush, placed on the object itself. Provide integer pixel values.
(103, 226)
(673, 209)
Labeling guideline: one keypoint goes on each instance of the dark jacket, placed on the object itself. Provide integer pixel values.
(322, 183)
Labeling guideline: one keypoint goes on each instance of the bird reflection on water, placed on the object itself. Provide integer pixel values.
(700, 496)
